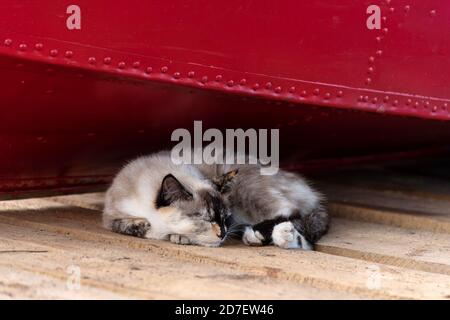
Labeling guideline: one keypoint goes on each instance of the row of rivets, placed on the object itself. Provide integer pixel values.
(242, 82)
(408, 102)
(177, 75)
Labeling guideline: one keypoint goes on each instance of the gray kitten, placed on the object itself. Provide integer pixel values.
(280, 209)
(203, 204)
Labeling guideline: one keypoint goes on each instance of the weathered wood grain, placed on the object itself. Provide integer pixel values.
(141, 273)
(412, 249)
(318, 270)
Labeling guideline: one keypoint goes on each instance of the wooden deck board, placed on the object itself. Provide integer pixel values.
(383, 243)
(67, 229)
(144, 272)
(412, 249)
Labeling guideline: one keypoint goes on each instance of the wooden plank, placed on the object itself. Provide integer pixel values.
(127, 272)
(419, 250)
(389, 217)
(319, 270)
(16, 283)
(396, 208)
(92, 201)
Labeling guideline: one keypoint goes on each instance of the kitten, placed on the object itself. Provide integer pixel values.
(280, 209)
(204, 204)
(153, 198)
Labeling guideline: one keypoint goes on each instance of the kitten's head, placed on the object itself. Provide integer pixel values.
(199, 215)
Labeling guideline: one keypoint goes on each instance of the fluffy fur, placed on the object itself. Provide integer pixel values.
(153, 198)
(203, 204)
(281, 209)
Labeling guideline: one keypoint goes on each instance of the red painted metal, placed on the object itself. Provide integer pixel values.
(76, 103)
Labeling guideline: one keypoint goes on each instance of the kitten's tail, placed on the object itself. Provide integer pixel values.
(313, 225)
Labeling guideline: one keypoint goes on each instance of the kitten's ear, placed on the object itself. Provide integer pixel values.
(222, 182)
(231, 174)
(171, 190)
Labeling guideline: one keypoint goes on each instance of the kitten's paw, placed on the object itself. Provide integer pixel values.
(252, 237)
(179, 239)
(142, 228)
(285, 236)
(136, 227)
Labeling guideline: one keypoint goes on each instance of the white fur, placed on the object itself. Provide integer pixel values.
(251, 237)
(306, 194)
(176, 238)
(144, 176)
(284, 235)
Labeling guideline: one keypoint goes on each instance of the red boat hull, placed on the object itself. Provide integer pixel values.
(75, 104)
